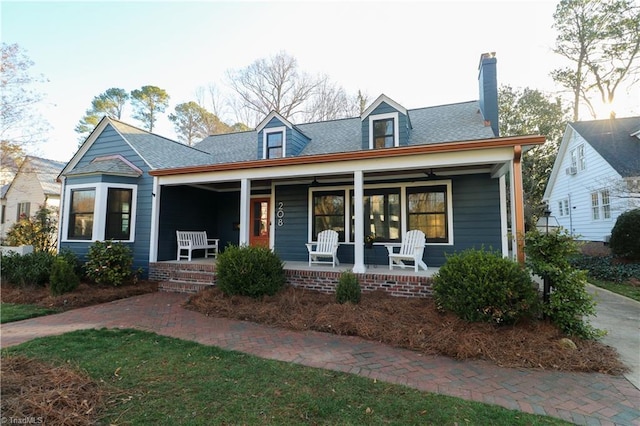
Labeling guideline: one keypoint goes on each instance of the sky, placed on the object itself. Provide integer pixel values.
(418, 53)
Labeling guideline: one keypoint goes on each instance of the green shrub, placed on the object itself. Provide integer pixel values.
(39, 231)
(73, 260)
(62, 279)
(26, 270)
(625, 236)
(549, 255)
(348, 288)
(480, 285)
(109, 263)
(249, 271)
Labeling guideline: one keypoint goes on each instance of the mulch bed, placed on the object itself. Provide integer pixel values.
(415, 324)
(84, 295)
(35, 392)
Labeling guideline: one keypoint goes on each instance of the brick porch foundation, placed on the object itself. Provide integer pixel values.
(186, 277)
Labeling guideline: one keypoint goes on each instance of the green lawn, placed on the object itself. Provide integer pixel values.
(13, 312)
(166, 381)
(626, 290)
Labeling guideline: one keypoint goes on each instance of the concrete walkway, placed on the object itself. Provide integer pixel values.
(581, 398)
(619, 316)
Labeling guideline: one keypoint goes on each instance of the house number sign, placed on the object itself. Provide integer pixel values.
(280, 214)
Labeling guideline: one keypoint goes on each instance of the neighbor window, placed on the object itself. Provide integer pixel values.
(578, 161)
(606, 204)
(427, 211)
(274, 143)
(118, 214)
(328, 212)
(563, 208)
(23, 211)
(81, 214)
(600, 205)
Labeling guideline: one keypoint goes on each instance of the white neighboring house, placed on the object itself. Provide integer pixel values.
(34, 185)
(596, 176)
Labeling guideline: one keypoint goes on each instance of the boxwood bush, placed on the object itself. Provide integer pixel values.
(249, 271)
(62, 279)
(348, 288)
(482, 286)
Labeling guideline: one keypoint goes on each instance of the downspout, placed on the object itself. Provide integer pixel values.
(518, 207)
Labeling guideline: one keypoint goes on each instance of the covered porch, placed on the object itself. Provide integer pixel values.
(200, 273)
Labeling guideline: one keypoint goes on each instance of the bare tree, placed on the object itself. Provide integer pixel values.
(21, 126)
(329, 102)
(602, 40)
(273, 84)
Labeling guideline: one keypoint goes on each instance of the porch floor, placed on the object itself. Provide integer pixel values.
(304, 266)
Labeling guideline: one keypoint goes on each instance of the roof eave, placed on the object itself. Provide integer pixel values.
(457, 146)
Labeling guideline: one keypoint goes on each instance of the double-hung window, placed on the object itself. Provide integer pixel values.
(82, 203)
(274, 142)
(102, 211)
(329, 212)
(427, 211)
(600, 205)
(563, 208)
(383, 131)
(23, 211)
(578, 160)
(118, 221)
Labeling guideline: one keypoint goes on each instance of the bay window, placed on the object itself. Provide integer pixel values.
(100, 211)
(82, 204)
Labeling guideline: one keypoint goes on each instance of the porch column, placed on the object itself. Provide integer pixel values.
(155, 220)
(517, 204)
(358, 212)
(245, 200)
(504, 226)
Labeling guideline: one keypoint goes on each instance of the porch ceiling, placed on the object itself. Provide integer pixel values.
(424, 173)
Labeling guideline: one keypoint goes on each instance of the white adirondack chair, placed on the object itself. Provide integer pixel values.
(326, 247)
(412, 249)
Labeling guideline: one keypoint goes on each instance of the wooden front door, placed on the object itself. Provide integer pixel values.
(260, 222)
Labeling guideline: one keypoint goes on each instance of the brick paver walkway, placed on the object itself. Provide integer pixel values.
(584, 399)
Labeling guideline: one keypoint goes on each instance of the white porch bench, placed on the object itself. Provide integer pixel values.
(196, 240)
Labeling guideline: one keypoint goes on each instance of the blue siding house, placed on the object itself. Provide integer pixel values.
(441, 169)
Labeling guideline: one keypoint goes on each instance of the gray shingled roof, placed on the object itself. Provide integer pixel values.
(46, 171)
(112, 166)
(445, 123)
(160, 152)
(612, 139)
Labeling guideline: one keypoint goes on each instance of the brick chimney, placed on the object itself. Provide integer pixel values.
(488, 86)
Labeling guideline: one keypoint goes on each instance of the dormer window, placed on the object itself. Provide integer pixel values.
(383, 131)
(274, 140)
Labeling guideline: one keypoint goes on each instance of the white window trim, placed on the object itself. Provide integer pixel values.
(99, 210)
(403, 207)
(396, 127)
(266, 132)
(582, 161)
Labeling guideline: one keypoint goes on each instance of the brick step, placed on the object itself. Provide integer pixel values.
(173, 286)
(192, 276)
